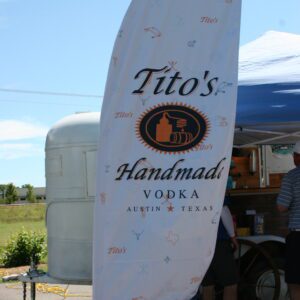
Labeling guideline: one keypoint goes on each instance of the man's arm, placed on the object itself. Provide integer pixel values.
(226, 218)
(285, 196)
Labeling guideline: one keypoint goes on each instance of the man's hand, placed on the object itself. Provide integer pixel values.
(234, 242)
(282, 208)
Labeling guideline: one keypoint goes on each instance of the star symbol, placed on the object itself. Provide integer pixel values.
(170, 208)
(143, 212)
(167, 259)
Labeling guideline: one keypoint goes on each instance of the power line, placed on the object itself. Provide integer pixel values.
(48, 103)
(49, 93)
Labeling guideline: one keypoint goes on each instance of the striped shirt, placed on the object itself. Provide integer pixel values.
(289, 196)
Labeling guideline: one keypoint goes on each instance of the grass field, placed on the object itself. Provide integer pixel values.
(14, 217)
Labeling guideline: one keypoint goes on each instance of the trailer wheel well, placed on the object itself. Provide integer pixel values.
(274, 248)
(259, 263)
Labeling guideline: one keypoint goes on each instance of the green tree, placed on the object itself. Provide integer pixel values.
(11, 194)
(2, 190)
(30, 196)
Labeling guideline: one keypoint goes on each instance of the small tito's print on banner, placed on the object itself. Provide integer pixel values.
(166, 133)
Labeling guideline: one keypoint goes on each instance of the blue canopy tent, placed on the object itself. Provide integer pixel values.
(268, 108)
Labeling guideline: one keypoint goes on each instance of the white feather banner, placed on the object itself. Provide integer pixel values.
(164, 150)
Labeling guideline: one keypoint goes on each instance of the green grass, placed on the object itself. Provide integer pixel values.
(14, 217)
(22, 213)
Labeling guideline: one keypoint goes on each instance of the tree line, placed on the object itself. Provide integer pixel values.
(9, 194)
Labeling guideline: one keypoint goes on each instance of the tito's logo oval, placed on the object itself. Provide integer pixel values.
(172, 128)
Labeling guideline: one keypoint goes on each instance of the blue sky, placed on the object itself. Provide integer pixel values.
(65, 47)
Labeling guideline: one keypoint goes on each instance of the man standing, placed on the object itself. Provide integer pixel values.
(223, 269)
(289, 201)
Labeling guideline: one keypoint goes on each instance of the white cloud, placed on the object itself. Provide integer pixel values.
(15, 151)
(17, 130)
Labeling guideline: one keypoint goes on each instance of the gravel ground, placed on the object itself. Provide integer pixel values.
(14, 291)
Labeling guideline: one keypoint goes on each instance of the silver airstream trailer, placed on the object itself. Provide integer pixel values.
(71, 147)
